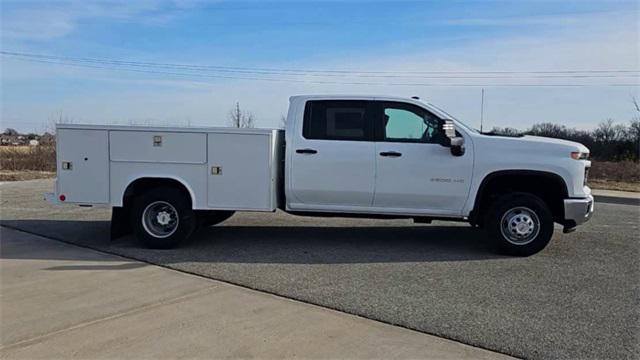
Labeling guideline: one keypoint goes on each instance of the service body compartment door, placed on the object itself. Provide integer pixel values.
(240, 176)
(84, 177)
(158, 147)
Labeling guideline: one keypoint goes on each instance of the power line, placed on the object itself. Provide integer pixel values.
(191, 75)
(140, 67)
(297, 71)
(356, 73)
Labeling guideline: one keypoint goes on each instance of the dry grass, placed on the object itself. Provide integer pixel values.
(614, 185)
(609, 175)
(21, 149)
(30, 158)
(13, 175)
(603, 172)
(622, 171)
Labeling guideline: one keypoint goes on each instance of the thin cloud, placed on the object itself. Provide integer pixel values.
(35, 20)
(558, 20)
(514, 21)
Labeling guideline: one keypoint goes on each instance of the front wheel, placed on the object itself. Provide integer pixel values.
(519, 224)
(162, 218)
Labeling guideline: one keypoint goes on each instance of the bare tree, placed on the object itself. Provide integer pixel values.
(507, 131)
(607, 131)
(633, 134)
(283, 121)
(548, 130)
(241, 119)
(247, 120)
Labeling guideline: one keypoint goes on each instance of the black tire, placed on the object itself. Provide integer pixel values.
(519, 224)
(174, 220)
(214, 217)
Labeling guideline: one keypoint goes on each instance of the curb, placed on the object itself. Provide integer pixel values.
(617, 200)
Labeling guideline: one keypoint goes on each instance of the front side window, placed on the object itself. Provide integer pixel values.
(409, 123)
(336, 120)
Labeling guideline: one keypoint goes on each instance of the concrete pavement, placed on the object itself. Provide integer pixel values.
(64, 301)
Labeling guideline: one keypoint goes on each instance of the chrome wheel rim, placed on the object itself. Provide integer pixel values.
(520, 225)
(160, 219)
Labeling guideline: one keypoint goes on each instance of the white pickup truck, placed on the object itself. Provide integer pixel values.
(359, 156)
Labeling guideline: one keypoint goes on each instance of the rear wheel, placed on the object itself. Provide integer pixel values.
(519, 224)
(162, 217)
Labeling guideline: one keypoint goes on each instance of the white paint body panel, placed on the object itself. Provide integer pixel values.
(246, 181)
(88, 179)
(426, 178)
(342, 173)
(120, 155)
(342, 177)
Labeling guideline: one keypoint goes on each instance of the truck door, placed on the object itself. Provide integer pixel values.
(332, 160)
(414, 171)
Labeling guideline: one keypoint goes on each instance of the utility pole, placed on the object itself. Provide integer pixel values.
(238, 115)
(481, 109)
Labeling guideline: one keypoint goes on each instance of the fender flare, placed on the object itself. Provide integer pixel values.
(480, 193)
(176, 179)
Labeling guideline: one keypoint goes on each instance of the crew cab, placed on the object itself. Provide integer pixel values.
(360, 156)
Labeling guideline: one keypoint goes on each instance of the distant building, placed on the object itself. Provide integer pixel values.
(14, 140)
(31, 139)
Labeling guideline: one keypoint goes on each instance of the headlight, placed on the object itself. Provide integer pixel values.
(577, 155)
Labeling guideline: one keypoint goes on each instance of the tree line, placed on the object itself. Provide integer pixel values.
(608, 141)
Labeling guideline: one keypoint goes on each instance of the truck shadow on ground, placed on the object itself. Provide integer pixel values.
(282, 244)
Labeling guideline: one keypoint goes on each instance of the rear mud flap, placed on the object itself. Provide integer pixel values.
(120, 225)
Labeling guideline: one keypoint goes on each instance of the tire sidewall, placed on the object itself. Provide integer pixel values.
(535, 204)
(186, 217)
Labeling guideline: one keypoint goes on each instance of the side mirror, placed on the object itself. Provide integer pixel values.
(457, 146)
(451, 139)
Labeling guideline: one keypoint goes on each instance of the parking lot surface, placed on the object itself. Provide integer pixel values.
(579, 298)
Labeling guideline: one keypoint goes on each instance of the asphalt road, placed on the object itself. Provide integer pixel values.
(579, 298)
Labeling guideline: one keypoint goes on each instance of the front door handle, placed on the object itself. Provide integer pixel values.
(390, 154)
(306, 151)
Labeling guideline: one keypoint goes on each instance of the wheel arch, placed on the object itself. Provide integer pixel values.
(549, 186)
(144, 183)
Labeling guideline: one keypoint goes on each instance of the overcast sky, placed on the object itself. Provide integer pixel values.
(382, 39)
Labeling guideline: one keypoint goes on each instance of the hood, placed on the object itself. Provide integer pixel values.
(551, 141)
(536, 144)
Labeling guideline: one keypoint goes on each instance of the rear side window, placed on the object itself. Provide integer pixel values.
(337, 120)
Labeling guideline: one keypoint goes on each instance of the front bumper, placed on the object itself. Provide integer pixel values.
(577, 211)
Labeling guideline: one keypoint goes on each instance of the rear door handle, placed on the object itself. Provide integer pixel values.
(306, 151)
(390, 154)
